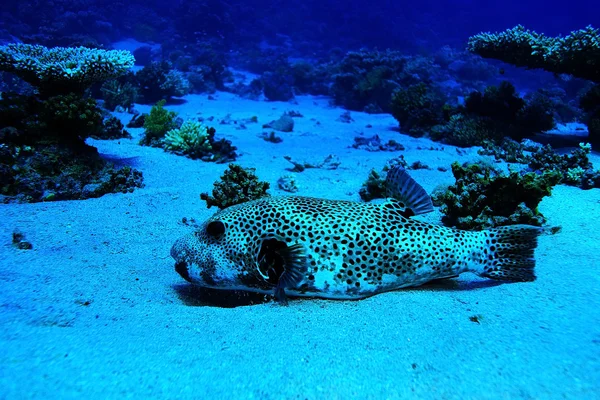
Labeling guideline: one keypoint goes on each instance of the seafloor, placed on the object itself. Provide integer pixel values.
(96, 308)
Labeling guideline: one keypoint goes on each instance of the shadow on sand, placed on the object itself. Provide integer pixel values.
(196, 296)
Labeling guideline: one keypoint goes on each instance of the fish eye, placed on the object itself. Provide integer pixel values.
(215, 228)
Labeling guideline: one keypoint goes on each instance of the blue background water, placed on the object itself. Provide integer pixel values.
(397, 24)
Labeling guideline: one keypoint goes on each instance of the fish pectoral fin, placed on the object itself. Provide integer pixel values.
(282, 265)
(294, 261)
(444, 278)
(404, 189)
(280, 296)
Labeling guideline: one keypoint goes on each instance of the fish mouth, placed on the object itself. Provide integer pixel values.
(178, 251)
(181, 267)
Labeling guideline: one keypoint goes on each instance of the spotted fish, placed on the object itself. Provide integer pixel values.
(338, 249)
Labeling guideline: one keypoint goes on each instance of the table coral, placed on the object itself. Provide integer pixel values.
(577, 53)
(60, 70)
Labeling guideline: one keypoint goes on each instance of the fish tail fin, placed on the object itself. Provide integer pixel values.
(510, 253)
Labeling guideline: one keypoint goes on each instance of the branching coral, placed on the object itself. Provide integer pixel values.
(190, 139)
(237, 185)
(117, 94)
(157, 124)
(158, 81)
(60, 70)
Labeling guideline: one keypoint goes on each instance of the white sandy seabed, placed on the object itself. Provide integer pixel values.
(96, 309)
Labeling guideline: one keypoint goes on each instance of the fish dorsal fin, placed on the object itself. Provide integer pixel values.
(399, 185)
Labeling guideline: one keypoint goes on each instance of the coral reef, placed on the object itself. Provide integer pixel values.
(157, 124)
(367, 79)
(277, 86)
(590, 104)
(507, 150)
(117, 94)
(418, 108)
(44, 154)
(484, 197)
(158, 81)
(209, 70)
(112, 129)
(237, 185)
(574, 168)
(47, 171)
(190, 139)
(62, 70)
(577, 54)
(374, 143)
(496, 113)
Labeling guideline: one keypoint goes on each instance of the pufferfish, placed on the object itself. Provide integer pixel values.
(340, 249)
